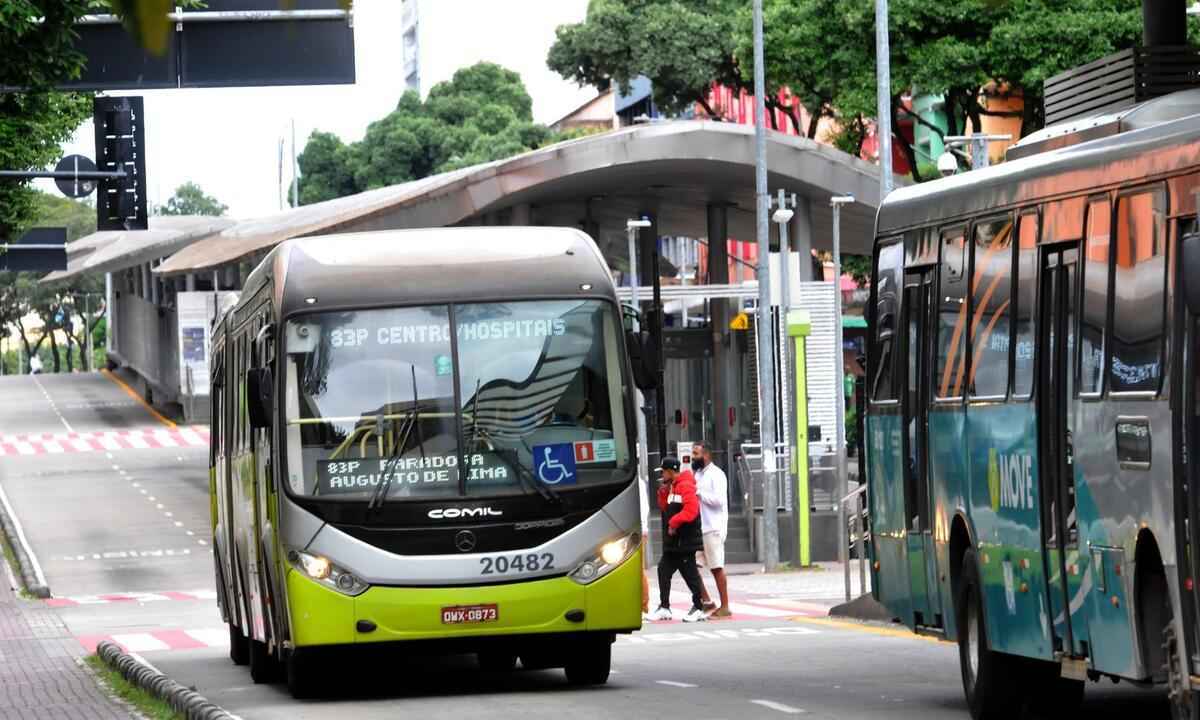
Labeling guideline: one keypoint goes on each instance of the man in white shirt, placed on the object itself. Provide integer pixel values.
(713, 488)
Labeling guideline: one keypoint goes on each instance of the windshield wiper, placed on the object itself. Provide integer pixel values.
(413, 421)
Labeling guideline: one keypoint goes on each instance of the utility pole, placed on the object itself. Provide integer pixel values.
(295, 170)
(631, 229)
(883, 91)
(836, 203)
(766, 352)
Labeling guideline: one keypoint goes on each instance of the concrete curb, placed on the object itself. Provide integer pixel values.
(189, 702)
(28, 576)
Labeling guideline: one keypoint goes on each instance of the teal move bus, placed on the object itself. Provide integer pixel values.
(1032, 402)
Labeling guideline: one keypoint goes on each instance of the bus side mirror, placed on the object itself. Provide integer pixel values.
(642, 360)
(1190, 257)
(259, 396)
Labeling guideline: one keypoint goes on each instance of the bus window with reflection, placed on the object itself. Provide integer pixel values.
(952, 316)
(1139, 305)
(1023, 337)
(991, 284)
(1094, 317)
(889, 270)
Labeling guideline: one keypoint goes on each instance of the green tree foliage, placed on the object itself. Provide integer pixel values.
(190, 199)
(481, 114)
(683, 46)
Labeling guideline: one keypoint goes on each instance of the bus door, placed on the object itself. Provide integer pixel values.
(1055, 412)
(919, 301)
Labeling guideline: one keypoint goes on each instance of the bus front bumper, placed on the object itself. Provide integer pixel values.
(321, 616)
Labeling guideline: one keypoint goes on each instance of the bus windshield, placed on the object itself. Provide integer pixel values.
(470, 400)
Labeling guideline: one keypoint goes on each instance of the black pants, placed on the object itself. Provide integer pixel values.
(685, 563)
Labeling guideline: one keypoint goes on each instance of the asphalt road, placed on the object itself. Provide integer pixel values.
(118, 533)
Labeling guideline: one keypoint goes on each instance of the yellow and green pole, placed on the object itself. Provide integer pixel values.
(799, 325)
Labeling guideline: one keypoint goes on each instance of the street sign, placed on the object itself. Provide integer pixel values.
(224, 43)
(121, 147)
(39, 250)
(75, 187)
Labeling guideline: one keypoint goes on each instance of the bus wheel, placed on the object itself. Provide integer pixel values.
(1185, 705)
(983, 671)
(590, 663)
(300, 676)
(263, 668)
(497, 662)
(239, 646)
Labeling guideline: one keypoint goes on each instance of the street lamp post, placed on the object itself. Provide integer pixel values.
(766, 352)
(631, 228)
(883, 92)
(782, 216)
(836, 202)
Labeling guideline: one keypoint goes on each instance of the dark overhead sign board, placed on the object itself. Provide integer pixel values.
(39, 250)
(227, 43)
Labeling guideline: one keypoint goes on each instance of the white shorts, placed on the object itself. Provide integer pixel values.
(713, 555)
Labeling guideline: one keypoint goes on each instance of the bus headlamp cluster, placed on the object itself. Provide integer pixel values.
(608, 556)
(326, 572)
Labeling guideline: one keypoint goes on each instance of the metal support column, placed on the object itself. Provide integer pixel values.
(801, 233)
(799, 326)
(719, 317)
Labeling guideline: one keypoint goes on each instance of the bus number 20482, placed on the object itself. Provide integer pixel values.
(527, 562)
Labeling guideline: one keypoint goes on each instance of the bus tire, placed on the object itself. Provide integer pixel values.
(983, 671)
(496, 662)
(300, 676)
(590, 664)
(263, 668)
(239, 646)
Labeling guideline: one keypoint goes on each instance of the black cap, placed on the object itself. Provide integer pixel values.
(670, 462)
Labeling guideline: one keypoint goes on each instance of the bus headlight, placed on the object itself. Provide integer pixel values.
(608, 556)
(326, 572)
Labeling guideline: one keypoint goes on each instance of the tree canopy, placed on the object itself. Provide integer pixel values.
(190, 199)
(824, 52)
(481, 114)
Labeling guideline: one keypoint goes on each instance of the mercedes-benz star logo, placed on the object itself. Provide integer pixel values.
(464, 541)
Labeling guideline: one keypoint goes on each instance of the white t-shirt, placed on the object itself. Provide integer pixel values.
(713, 488)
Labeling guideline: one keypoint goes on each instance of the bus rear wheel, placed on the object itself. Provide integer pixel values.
(239, 646)
(983, 671)
(589, 664)
(263, 667)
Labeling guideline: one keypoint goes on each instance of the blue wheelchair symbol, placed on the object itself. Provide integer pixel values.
(555, 463)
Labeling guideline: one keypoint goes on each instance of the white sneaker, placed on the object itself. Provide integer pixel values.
(695, 615)
(659, 614)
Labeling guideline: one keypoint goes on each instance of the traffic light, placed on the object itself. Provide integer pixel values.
(121, 147)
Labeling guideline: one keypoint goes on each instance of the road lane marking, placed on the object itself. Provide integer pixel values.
(672, 683)
(12, 516)
(137, 398)
(871, 629)
(53, 406)
(779, 707)
(140, 642)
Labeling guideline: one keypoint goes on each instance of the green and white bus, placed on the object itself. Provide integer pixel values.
(426, 436)
(1032, 404)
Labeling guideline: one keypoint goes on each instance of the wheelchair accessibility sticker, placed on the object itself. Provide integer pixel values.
(555, 464)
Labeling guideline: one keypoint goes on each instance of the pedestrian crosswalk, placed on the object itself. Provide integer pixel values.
(104, 441)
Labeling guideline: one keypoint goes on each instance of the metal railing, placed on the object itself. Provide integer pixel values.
(857, 528)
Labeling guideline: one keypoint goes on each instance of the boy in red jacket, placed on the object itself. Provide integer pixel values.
(681, 539)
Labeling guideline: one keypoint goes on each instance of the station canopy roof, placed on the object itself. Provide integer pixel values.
(672, 169)
(111, 250)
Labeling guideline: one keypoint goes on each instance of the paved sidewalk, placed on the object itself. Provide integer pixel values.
(40, 675)
(808, 591)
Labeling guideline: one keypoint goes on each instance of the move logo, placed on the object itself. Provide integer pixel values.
(1010, 480)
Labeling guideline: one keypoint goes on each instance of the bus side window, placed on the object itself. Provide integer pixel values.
(1139, 307)
(1025, 291)
(1094, 316)
(888, 269)
(951, 304)
(991, 283)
